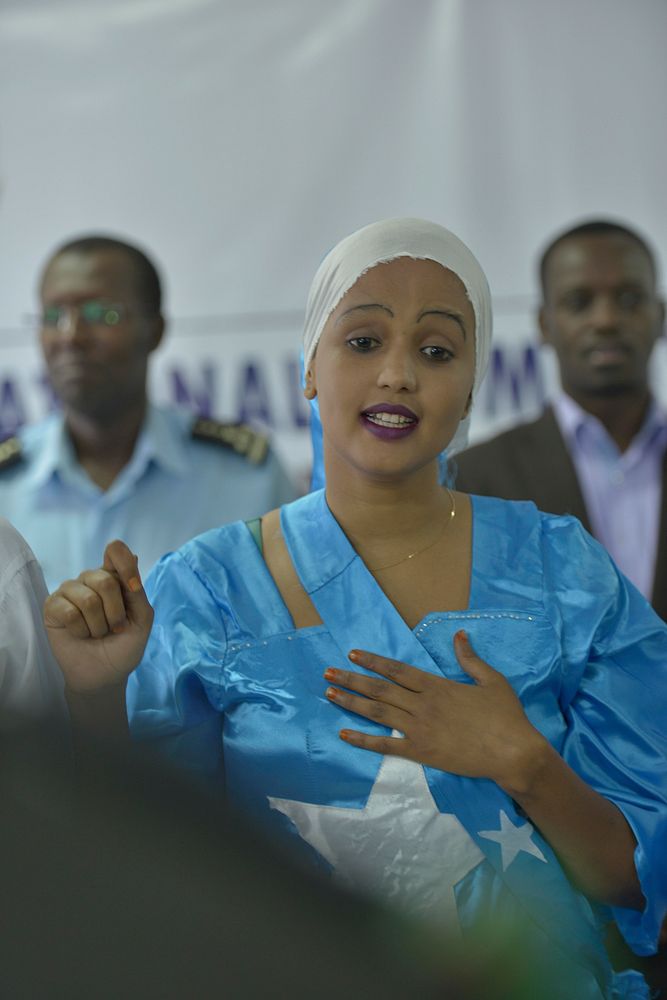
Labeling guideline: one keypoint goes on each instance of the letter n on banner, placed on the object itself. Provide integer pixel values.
(201, 398)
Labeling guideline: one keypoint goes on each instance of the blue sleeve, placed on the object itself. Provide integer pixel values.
(614, 698)
(176, 694)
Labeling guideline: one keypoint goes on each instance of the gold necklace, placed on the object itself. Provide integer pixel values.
(418, 552)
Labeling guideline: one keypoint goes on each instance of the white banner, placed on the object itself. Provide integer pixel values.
(239, 140)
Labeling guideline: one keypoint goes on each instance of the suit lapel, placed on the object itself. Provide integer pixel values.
(563, 489)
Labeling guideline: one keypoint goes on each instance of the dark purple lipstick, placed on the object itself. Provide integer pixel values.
(389, 421)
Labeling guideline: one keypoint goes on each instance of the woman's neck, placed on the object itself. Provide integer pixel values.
(383, 516)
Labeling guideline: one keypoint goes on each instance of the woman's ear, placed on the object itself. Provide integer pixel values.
(309, 390)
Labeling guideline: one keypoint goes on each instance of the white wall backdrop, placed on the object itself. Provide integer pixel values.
(239, 139)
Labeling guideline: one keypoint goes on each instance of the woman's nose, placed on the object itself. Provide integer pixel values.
(397, 372)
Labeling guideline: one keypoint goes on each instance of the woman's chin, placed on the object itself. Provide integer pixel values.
(393, 469)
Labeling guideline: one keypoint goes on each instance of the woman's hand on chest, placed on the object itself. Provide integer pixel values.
(477, 730)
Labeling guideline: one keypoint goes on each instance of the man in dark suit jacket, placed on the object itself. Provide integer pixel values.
(600, 451)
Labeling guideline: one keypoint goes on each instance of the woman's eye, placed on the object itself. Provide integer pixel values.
(436, 353)
(362, 344)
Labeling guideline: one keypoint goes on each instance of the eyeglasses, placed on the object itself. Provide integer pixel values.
(92, 313)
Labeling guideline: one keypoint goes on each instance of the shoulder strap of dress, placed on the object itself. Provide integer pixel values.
(255, 528)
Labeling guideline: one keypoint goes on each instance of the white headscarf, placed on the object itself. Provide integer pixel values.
(384, 241)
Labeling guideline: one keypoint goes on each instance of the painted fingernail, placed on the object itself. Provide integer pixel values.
(461, 635)
(331, 693)
(134, 584)
(354, 654)
(330, 674)
(118, 628)
(345, 734)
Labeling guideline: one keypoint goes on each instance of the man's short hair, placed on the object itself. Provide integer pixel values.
(144, 272)
(595, 227)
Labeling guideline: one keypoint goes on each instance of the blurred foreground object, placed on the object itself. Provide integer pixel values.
(31, 684)
(128, 882)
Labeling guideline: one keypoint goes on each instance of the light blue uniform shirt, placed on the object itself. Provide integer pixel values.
(173, 488)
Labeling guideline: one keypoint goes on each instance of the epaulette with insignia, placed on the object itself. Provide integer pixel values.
(242, 438)
(10, 452)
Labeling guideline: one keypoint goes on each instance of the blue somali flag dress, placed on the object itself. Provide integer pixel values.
(232, 688)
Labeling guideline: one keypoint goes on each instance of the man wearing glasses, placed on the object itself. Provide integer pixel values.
(111, 464)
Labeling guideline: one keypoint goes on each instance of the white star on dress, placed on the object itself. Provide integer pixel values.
(399, 846)
(512, 840)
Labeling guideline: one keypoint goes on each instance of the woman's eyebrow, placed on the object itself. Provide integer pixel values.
(366, 305)
(449, 313)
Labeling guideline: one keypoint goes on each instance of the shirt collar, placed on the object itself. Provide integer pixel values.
(573, 421)
(54, 453)
(161, 440)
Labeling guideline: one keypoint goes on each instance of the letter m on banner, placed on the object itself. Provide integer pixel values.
(514, 383)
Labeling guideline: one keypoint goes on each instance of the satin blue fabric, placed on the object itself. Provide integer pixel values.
(586, 654)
